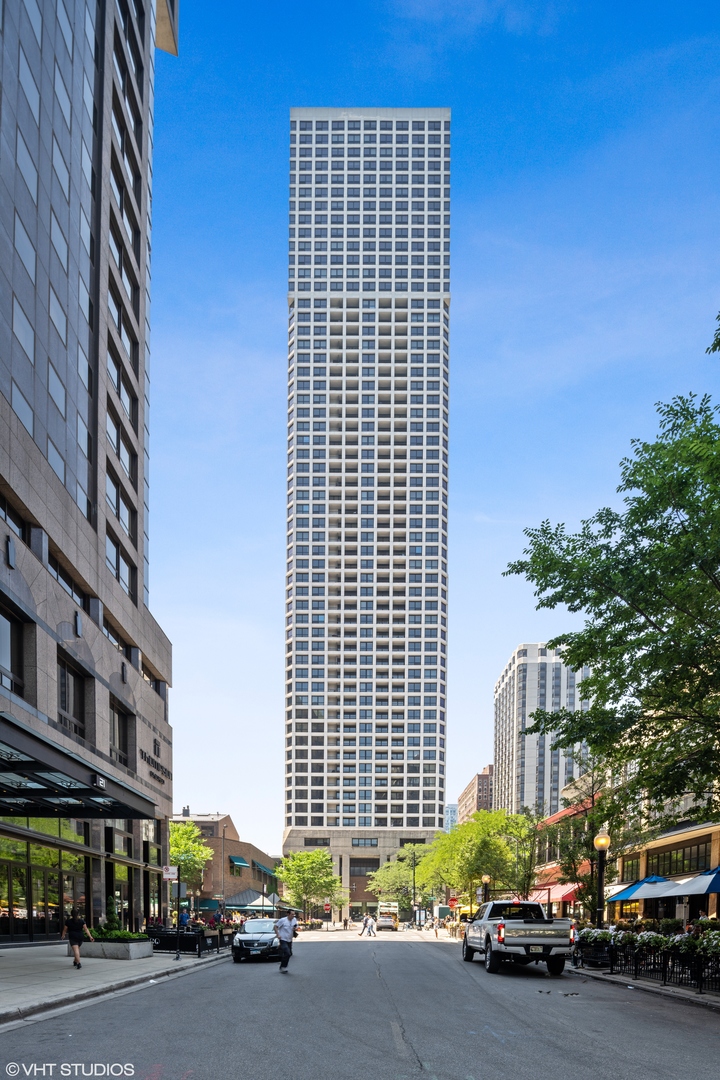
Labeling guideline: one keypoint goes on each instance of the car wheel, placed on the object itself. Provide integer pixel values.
(492, 960)
(236, 958)
(555, 965)
(467, 952)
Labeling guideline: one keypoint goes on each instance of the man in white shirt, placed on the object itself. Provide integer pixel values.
(285, 930)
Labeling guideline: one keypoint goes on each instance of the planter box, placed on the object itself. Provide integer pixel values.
(115, 950)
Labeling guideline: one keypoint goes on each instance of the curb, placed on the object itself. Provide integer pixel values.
(659, 991)
(9, 1016)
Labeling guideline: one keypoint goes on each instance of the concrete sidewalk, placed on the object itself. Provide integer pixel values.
(706, 1000)
(36, 979)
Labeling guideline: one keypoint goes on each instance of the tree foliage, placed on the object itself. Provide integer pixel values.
(308, 878)
(189, 852)
(648, 580)
(394, 879)
(494, 843)
(569, 841)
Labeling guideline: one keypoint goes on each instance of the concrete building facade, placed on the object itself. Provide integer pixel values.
(478, 795)
(85, 743)
(367, 484)
(528, 772)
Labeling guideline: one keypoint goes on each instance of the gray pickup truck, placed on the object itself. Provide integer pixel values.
(520, 932)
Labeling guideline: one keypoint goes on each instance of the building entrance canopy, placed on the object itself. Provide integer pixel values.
(38, 778)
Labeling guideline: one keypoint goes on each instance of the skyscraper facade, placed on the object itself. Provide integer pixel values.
(85, 744)
(367, 483)
(528, 772)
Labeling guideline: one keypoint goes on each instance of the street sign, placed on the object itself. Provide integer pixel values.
(452, 902)
(170, 873)
(479, 894)
(327, 907)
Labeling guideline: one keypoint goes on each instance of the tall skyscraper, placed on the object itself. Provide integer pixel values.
(367, 484)
(528, 771)
(85, 744)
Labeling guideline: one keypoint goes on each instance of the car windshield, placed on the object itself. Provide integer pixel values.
(257, 926)
(517, 911)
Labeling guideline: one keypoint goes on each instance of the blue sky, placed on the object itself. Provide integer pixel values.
(586, 278)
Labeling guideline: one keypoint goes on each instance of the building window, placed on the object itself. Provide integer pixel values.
(71, 698)
(631, 870)
(119, 733)
(11, 658)
(119, 566)
(682, 860)
(364, 841)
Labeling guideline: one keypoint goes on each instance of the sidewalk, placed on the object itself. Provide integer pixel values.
(34, 980)
(706, 1000)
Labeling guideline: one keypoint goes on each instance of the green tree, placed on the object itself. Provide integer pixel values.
(309, 878)
(189, 852)
(394, 880)
(522, 832)
(460, 858)
(648, 580)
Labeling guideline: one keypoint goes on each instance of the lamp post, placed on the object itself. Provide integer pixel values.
(486, 888)
(223, 870)
(601, 844)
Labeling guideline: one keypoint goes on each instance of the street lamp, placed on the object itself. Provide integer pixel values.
(223, 870)
(486, 888)
(601, 844)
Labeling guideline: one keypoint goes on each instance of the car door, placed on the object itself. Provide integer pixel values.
(473, 931)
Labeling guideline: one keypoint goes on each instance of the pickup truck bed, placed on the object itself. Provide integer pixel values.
(517, 931)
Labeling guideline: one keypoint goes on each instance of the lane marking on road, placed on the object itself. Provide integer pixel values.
(400, 1045)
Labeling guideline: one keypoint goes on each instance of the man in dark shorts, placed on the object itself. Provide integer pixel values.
(75, 929)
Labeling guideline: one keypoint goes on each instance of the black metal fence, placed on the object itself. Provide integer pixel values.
(670, 967)
(190, 941)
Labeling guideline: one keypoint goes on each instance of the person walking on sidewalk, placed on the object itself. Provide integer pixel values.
(371, 927)
(286, 930)
(364, 926)
(75, 929)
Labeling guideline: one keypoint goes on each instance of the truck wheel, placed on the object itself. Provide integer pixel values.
(467, 952)
(492, 960)
(555, 965)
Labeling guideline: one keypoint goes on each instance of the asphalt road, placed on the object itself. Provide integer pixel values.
(386, 1009)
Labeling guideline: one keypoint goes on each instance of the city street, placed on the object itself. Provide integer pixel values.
(399, 1006)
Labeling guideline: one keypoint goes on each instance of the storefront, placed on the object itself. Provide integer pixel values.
(105, 858)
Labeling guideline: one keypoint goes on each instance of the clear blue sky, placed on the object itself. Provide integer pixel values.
(586, 279)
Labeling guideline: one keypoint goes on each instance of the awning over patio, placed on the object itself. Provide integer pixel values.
(707, 882)
(548, 894)
(640, 889)
(252, 900)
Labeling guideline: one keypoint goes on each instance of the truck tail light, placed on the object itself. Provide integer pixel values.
(501, 933)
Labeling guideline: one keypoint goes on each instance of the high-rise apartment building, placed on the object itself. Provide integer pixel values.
(367, 485)
(85, 744)
(528, 771)
(478, 795)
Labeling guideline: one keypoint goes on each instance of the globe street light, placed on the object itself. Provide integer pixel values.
(601, 844)
(486, 888)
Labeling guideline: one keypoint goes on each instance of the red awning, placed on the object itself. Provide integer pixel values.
(570, 896)
(548, 894)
